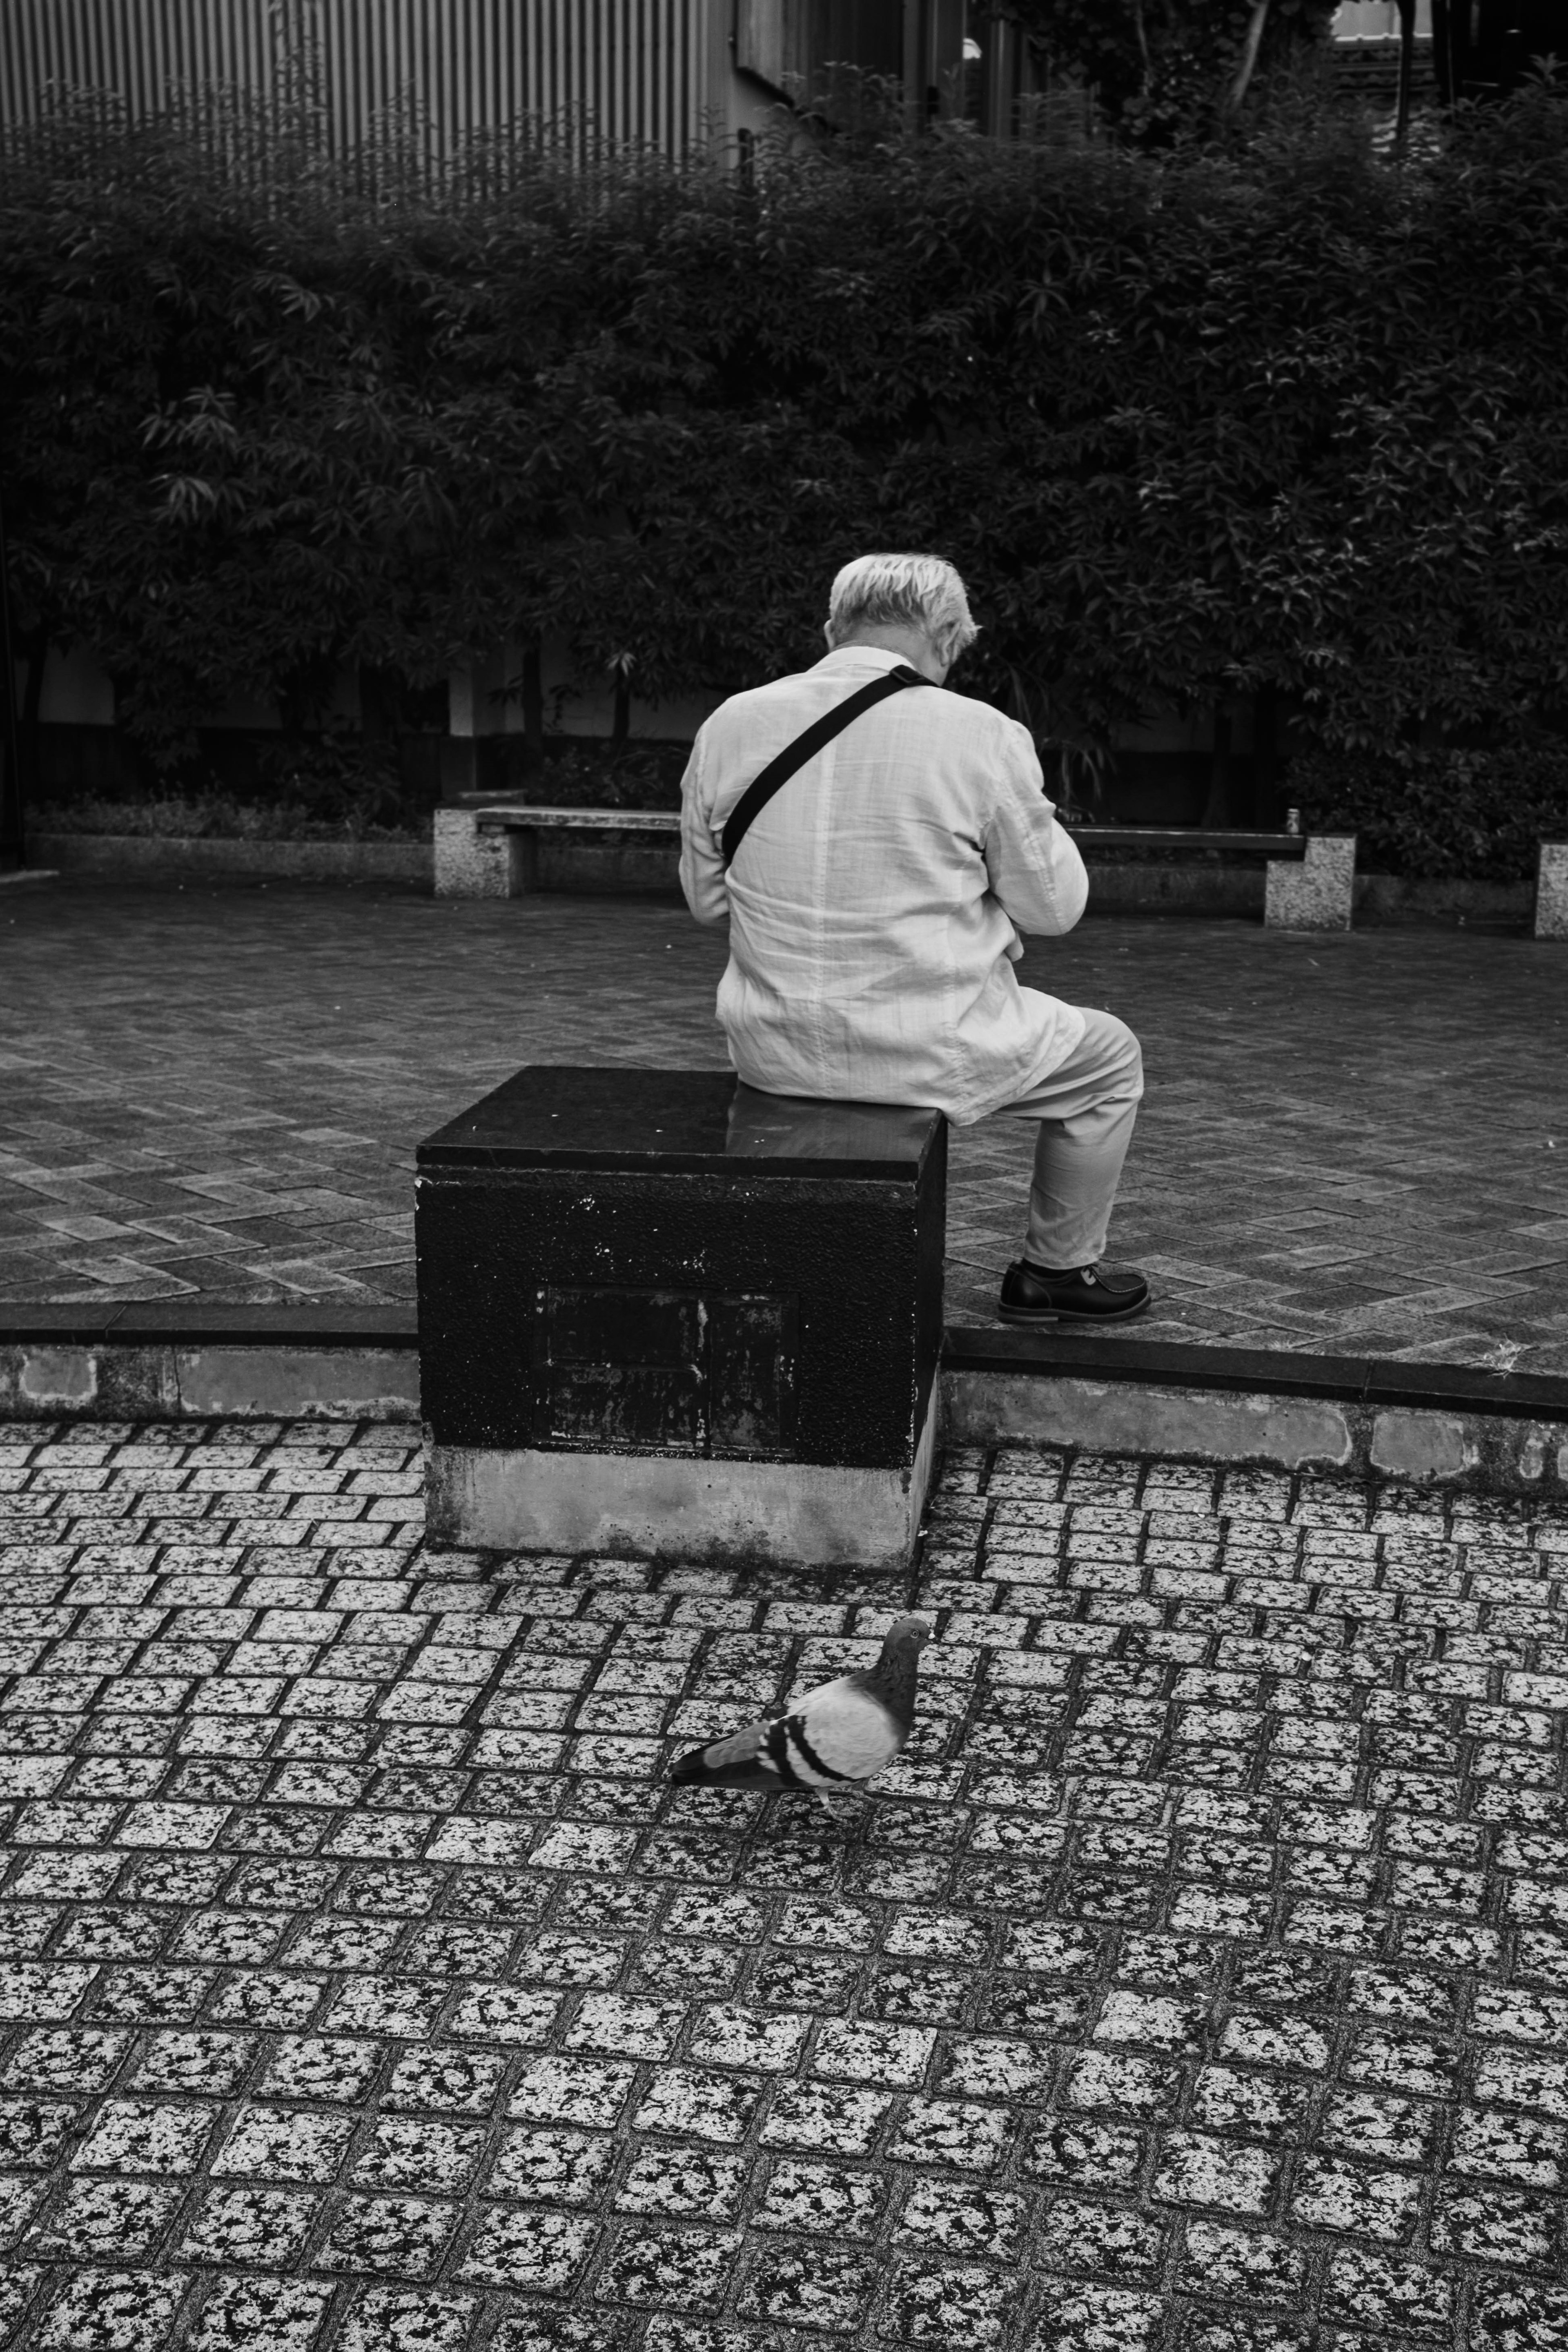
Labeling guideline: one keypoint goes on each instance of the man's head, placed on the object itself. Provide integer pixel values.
(911, 604)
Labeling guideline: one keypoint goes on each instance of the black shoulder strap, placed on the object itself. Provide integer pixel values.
(779, 771)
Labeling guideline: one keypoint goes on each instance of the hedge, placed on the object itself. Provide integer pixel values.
(1279, 414)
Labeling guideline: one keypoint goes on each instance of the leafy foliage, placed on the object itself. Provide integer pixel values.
(1159, 69)
(1447, 812)
(1272, 415)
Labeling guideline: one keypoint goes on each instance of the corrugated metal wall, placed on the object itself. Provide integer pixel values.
(633, 69)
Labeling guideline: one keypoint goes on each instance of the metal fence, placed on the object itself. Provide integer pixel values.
(635, 69)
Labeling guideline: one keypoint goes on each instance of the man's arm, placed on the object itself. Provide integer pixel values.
(1036, 873)
(702, 861)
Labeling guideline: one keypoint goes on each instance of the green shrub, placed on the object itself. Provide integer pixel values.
(1444, 814)
(1275, 415)
(179, 816)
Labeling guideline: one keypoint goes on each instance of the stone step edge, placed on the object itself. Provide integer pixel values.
(1504, 1432)
(1454, 1425)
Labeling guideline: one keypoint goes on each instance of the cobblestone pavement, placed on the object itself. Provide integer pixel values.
(1199, 1979)
(1354, 1144)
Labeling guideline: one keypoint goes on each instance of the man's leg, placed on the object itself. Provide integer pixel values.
(1086, 1109)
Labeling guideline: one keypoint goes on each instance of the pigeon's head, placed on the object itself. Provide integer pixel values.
(904, 1640)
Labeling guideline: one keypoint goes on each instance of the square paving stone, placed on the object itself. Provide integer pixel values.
(689, 2102)
(71, 2058)
(824, 2115)
(561, 2167)
(633, 2029)
(823, 2200)
(396, 2319)
(949, 2304)
(391, 2237)
(952, 2133)
(111, 2311)
(321, 2067)
(1331, 2195)
(1195, 2169)
(100, 2219)
(212, 2064)
(1375, 2291)
(1086, 2318)
(261, 2316)
(1087, 2155)
(685, 2271)
(260, 2226)
(811, 2288)
(964, 2220)
(670, 2181)
(145, 2136)
(1492, 2144)
(438, 2159)
(980, 2067)
(284, 2144)
(815, 1983)
(1105, 2240)
(891, 2056)
(388, 2005)
(463, 2081)
(535, 2252)
(1497, 2225)
(572, 2089)
(1217, 2259)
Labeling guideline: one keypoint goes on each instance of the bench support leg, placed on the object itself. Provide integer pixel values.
(1552, 891)
(470, 864)
(1318, 894)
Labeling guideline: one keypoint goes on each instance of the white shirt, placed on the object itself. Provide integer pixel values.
(875, 903)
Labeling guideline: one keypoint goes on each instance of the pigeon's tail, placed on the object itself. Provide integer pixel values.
(737, 1762)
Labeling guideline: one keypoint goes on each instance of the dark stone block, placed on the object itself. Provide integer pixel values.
(624, 1261)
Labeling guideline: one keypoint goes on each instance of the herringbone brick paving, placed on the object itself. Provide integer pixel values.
(1199, 1979)
(1350, 1144)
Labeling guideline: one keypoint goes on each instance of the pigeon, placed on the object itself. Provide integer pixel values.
(839, 1737)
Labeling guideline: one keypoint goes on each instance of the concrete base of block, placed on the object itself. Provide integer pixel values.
(653, 1506)
(1479, 1451)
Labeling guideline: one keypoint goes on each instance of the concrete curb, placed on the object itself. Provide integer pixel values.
(130, 1363)
(1449, 1425)
(1452, 1425)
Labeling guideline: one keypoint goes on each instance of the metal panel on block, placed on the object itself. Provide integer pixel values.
(668, 1371)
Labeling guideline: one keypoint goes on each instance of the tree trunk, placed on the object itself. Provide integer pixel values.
(532, 706)
(1249, 50)
(1266, 757)
(1406, 67)
(1216, 811)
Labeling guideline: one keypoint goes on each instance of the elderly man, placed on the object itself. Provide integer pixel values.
(875, 884)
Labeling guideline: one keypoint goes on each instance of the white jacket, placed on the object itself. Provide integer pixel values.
(875, 904)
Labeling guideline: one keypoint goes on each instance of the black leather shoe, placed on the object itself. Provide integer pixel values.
(1086, 1294)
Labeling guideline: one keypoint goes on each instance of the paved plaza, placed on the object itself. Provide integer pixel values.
(1356, 1144)
(1198, 1980)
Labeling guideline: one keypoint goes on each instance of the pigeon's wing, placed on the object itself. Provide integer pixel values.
(845, 1731)
(740, 1760)
(838, 1733)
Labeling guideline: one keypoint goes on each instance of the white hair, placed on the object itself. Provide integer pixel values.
(902, 592)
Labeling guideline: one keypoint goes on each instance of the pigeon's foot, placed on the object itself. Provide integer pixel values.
(847, 1810)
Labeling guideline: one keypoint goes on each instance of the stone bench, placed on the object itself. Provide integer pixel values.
(662, 1313)
(1309, 878)
(490, 850)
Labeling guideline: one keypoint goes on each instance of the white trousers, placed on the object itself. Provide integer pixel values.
(1086, 1108)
